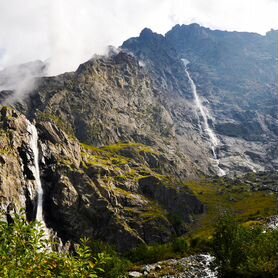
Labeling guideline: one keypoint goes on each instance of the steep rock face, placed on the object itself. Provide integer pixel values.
(113, 99)
(17, 185)
(148, 98)
(136, 117)
(235, 75)
(98, 192)
(113, 193)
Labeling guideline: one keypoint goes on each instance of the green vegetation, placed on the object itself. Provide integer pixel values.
(219, 195)
(153, 253)
(24, 252)
(240, 251)
(140, 148)
(119, 159)
(103, 158)
(251, 209)
(116, 266)
(244, 252)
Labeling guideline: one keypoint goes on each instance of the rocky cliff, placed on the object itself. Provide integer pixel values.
(118, 135)
(235, 76)
(110, 100)
(110, 193)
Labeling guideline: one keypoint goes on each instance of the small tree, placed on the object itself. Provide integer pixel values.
(244, 252)
(226, 246)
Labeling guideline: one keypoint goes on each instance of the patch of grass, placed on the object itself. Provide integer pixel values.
(91, 148)
(135, 146)
(154, 212)
(105, 160)
(177, 248)
(124, 193)
(221, 195)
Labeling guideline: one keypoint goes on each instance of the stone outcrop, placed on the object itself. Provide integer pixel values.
(117, 136)
(235, 74)
(100, 193)
(17, 186)
(113, 99)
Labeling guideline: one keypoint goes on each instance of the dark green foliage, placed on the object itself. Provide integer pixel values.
(200, 244)
(227, 246)
(25, 252)
(180, 245)
(116, 267)
(151, 253)
(245, 252)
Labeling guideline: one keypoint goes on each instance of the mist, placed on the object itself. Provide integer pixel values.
(66, 33)
(19, 80)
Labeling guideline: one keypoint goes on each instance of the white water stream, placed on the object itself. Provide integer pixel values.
(205, 116)
(36, 171)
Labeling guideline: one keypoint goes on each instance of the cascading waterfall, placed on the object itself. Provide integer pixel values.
(36, 171)
(204, 113)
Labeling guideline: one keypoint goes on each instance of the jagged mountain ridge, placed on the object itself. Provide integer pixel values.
(141, 95)
(235, 74)
(149, 99)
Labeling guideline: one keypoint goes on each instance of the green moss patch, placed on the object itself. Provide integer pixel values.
(221, 195)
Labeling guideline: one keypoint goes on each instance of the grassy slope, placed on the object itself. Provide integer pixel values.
(221, 194)
(251, 207)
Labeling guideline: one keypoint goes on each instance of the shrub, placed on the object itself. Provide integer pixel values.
(180, 245)
(116, 267)
(25, 252)
(244, 252)
(151, 253)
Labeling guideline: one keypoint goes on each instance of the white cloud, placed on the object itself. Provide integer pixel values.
(71, 31)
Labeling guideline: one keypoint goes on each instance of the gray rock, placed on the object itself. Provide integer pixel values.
(135, 274)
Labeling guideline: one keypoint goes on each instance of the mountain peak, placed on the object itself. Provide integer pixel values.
(146, 32)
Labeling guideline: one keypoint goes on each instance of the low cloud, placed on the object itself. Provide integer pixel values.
(20, 80)
(69, 32)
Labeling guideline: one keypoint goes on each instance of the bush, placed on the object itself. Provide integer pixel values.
(25, 252)
(180, 245)
(151, 253)
(244, 252)
(116, 267)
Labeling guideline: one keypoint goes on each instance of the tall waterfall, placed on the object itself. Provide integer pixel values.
(36, 170)
(205, 116)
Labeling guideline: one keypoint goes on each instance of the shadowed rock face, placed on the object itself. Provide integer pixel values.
(114, 99)
(146, 97)
(137, 109)
(236, 77)
(94, 192)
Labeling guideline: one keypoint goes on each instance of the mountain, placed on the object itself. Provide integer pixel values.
(235, 75)
(121, 138)
(111, 193)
